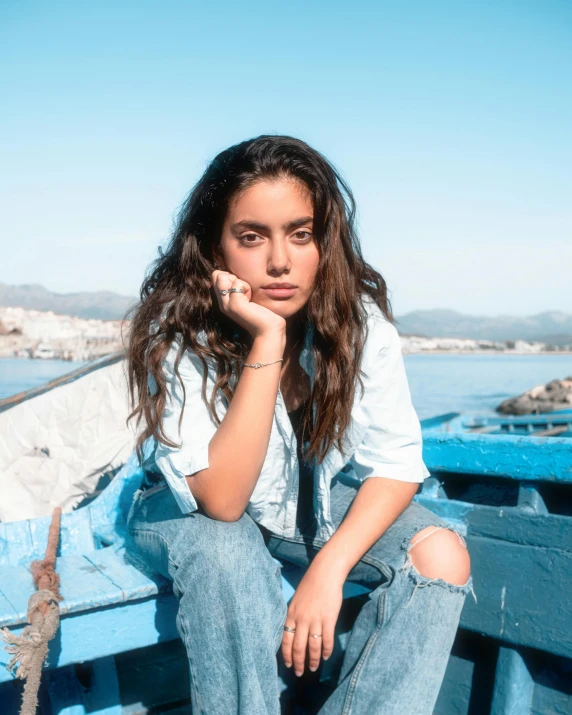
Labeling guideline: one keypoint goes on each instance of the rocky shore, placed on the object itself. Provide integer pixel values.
(418, 344)
(48, 335)
(555, 395)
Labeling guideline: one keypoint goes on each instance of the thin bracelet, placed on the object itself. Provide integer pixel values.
(261, 364)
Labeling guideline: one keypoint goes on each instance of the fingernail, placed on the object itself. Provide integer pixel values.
(313, 668)
(298, 673)
(325, 657)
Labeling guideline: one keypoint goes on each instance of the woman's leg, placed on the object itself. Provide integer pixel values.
(231, 607)
(399, 646)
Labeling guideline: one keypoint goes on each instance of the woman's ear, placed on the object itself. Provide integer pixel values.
(217, 259)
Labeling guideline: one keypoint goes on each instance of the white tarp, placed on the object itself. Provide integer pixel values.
(54, 447)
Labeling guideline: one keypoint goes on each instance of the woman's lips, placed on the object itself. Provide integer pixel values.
(280, 292)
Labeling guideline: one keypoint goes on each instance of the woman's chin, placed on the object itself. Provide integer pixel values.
(284, 308)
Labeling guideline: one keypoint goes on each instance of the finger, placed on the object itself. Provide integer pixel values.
(215, 275)
(238, 283)
(222, 281)
(300, 647)
(287, 641)
(328, 632)
(314, 645)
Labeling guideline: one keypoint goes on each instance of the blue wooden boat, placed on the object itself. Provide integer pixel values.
(510, 493)
(547, 424)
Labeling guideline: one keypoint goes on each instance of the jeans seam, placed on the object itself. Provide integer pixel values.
(367, 650)
(280, 628)
(193, 674)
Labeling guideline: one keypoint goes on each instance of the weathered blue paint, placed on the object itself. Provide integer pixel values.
(546, 459)
(102, 632)
(66, 696)
(550, 424)
(491, 486)
(514, 686)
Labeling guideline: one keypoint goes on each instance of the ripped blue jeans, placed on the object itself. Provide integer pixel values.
(227, 577)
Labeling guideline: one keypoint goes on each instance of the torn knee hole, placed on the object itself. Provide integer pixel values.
(444, 556)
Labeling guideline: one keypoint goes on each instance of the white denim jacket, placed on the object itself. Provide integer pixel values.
(384, 436)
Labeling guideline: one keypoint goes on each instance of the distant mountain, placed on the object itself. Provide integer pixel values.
(102, 305)
(552, 326)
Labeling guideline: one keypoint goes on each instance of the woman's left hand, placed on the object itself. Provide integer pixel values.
(314, 608)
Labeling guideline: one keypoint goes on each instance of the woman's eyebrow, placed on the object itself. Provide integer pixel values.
(256, 226)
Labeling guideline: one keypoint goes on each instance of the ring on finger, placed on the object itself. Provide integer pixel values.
(224, 291)
(293, 630)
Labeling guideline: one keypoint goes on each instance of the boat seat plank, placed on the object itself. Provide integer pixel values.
(15, 532)
(86, 583)
(129, 579)
(106, 631)
(8, 614)
(23, 541)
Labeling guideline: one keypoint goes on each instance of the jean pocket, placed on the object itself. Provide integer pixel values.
(148, 551)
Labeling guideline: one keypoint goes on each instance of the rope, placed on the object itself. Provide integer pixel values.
(31, 647)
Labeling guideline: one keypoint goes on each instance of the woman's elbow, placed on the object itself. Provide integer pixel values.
(221, 510)
(215, 505)
(223, 514)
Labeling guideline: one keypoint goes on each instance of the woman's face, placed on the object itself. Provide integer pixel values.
(267, 237)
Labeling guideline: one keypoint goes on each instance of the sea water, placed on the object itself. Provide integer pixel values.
(439, 383)
(19, 374)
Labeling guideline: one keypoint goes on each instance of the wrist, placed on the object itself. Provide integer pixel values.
(332, 566)
(275, 339)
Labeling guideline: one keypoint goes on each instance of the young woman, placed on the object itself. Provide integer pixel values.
(279, 428)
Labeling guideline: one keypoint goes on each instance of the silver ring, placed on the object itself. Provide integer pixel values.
(290, 630)
(231, 290)
(316, 635)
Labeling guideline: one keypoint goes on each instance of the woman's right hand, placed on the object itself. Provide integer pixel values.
(254, 318)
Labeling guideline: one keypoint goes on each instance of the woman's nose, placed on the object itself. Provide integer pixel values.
(279, 256)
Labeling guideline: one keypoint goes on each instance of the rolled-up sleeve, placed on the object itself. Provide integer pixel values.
(392, 444)
(196, 430)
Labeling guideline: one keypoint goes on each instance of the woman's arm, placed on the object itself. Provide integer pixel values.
(238, 448)
(316, 604)
(377, 504)
(389, 460)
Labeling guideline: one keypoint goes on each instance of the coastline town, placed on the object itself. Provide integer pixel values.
(35, 334)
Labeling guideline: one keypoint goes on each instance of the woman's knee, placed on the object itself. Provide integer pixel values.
(438, 552)
(224, 548)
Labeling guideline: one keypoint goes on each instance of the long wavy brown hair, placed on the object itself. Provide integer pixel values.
(177, 297)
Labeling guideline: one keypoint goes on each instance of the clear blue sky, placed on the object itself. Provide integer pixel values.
(450, 120)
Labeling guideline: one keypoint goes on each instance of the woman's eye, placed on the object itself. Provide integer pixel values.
(304, 235)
